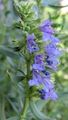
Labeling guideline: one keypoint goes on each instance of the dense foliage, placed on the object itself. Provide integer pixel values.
(13, 21)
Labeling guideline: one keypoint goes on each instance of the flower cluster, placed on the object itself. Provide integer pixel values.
(48, 59)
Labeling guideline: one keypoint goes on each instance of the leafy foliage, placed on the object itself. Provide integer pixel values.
(13, 67)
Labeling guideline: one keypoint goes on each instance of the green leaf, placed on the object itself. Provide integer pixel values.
(40, 104)
(8, 52)
(13, 118)
(13, 105)
(38, 115)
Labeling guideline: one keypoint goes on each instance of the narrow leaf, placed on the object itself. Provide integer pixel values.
(8, 52)
(38, 115)
(13, 118)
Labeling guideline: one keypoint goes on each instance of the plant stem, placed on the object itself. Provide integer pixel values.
(25, 107)
(26, 102)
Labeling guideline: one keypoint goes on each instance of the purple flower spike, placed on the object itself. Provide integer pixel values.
(41, 75)
(31, 44)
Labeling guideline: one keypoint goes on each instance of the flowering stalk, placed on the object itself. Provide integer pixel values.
(26, 100)
(25, 108)
(40, 59)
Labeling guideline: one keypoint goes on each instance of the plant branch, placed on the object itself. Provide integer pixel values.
(26, 102)
(25, 107)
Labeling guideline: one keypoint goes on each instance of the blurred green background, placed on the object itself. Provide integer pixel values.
(11, 90)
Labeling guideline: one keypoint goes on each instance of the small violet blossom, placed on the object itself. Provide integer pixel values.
(52, 62)
(31, 44)
(52, 54)
(51, 94)
(36, 80)
(52, 50)
(48, 32)
(39, 62)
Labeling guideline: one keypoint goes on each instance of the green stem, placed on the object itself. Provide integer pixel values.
(24, 111)
(26, 102)
(2, 108)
